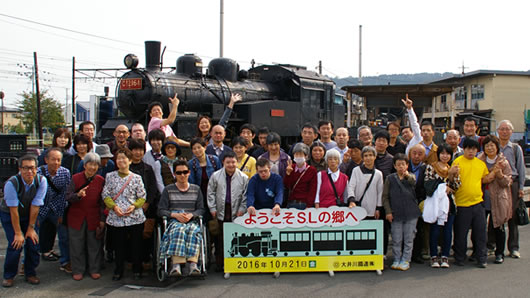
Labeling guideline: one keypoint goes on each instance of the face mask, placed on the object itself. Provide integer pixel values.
(299, 160)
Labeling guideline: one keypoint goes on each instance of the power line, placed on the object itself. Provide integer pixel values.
(68, 30)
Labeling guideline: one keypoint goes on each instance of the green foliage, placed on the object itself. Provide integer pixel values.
(51, 111)
(14, 128)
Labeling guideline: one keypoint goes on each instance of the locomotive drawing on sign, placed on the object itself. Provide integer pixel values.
(280, 96)
(305, 242)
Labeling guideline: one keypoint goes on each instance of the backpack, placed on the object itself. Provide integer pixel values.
(19, 181)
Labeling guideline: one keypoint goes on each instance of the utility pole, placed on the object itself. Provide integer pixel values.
(73, 95)
(222, 12)
(360, 54)
(2, 98)
(39, 119)
(320, 67)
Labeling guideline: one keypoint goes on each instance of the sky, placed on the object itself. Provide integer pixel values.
(397, 37)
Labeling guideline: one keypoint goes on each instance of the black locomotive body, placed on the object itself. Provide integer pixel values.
(281, 97)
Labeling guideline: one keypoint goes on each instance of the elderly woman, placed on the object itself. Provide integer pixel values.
(365, 188)
(170, 151)
(181, 202)
(316, 156)
(497, 195)
(331, 183)
(62, 138)
(300, 178)
(85, 220)
(277, 158)
(124, 195)
(82, 145)
(435, 174)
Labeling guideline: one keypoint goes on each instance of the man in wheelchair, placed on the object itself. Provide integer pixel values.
(181, 203)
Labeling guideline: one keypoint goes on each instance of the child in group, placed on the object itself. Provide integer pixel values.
(402, 211)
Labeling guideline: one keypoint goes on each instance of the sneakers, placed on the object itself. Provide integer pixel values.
(515, 254)
(50, 257)
(434, 262)
(395, 265)
(66, 268)
(445, 262)
(482, 265)
(175, 270)
(499, 259)
(194, 270)
(404, 266)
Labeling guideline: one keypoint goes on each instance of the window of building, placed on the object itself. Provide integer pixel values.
(461, 93)
(477, 91)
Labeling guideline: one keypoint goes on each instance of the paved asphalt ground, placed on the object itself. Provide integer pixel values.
(510, 279)
(506, 280)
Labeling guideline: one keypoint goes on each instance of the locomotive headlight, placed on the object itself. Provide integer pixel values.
(130, 61)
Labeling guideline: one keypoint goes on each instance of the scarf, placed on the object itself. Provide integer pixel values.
(441, 170)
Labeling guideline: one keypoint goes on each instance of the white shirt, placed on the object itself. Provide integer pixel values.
(334, 176)
(415, 126)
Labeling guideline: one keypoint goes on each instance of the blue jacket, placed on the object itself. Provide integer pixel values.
(212, 164)
(265, 193)
(210, 150)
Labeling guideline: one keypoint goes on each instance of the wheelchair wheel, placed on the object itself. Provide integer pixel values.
(159, 265)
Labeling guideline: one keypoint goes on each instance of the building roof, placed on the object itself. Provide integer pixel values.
(413, 90)
(481, 72)
(10, 109)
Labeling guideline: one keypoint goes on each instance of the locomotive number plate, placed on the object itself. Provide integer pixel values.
(131, 84)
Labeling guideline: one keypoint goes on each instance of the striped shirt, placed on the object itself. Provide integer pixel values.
(174, 200)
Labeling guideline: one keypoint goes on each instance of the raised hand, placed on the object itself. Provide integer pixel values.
(289, 168)
(174, 101)
(407, 102)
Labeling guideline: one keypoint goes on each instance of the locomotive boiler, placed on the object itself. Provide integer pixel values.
(279, 96)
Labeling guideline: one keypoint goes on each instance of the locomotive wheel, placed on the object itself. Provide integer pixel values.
(243, 251)
(256, 252)
(265, 252)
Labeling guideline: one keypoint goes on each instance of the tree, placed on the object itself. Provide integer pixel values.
(51, 111)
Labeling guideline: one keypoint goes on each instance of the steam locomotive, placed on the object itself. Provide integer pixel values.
(280, 96)
(332, 242)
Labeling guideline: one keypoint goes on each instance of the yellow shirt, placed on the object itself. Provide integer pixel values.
(471, 174)
(250, 166)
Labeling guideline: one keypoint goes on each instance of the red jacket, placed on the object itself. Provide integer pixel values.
(327, 195)
(306, 188)
(89, 207)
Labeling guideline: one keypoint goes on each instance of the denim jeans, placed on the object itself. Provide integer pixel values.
(31, 250)
(403, 232)
(62, 232)
(447, 237)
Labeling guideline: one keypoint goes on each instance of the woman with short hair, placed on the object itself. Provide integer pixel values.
(497, 194)
(180, 203)
(277, 158)
(85, 219)
(124, 195)
(62, 138)
(82, 145)
(170, 151)
(300, 178)
(331, 183)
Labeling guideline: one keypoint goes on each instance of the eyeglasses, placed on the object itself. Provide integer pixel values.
(28, 168)
(186, 172)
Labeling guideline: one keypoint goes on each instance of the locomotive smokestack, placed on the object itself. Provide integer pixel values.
(152, 55)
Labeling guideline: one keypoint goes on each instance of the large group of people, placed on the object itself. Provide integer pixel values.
(103, 200)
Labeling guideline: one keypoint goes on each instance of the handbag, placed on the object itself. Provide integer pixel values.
(338, 201)
(521, 214)
(149, 227)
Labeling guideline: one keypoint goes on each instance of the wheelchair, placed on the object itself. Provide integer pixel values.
(162, 266)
